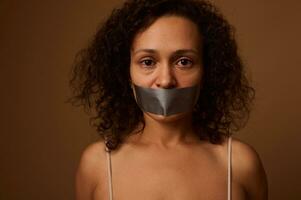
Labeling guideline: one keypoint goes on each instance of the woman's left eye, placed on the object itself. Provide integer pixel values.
(184, 62)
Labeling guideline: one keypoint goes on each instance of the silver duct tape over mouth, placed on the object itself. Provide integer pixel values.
(166, 101)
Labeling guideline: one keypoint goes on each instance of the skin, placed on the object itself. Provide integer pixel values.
(168, 161)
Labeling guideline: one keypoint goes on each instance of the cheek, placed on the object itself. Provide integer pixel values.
(190, 79)
(138, 77)
(198, 76)
(134, 73)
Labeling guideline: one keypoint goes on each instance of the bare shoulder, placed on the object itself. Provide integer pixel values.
(248, 170)
(91, 169)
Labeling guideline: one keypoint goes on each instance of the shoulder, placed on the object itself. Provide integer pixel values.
(248, 170)
(91, 169)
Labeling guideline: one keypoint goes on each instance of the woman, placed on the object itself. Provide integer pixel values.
(169, 90)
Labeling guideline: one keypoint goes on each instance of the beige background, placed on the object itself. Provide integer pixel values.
(42, 137)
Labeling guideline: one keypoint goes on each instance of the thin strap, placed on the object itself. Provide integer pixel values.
(229, 167)
(109, 167)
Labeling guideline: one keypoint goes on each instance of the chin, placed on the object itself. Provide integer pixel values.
(169, 118)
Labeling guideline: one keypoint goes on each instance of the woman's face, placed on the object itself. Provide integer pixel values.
(167, 54)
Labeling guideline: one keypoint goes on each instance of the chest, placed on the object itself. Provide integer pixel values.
(174, 183)
(168, 177)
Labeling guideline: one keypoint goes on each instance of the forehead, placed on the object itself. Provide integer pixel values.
(170, 32)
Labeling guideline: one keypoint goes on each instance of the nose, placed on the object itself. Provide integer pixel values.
(165, 78)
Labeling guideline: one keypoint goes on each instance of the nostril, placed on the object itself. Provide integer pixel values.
(169, 86)
(166, 84)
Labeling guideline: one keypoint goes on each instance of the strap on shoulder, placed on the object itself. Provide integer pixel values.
(109, 168)
(229, 167)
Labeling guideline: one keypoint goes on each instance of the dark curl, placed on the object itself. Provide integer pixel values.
(100, 76)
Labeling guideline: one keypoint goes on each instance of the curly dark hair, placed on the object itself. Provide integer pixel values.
(100, 78)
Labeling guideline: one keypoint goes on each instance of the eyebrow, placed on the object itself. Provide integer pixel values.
(179, 51)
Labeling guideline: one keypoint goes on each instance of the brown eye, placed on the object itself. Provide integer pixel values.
(147, 62)
(184, 62)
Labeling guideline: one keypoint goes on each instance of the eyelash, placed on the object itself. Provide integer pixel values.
(148, 66)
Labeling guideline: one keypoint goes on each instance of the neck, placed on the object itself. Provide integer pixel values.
(168, 131)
